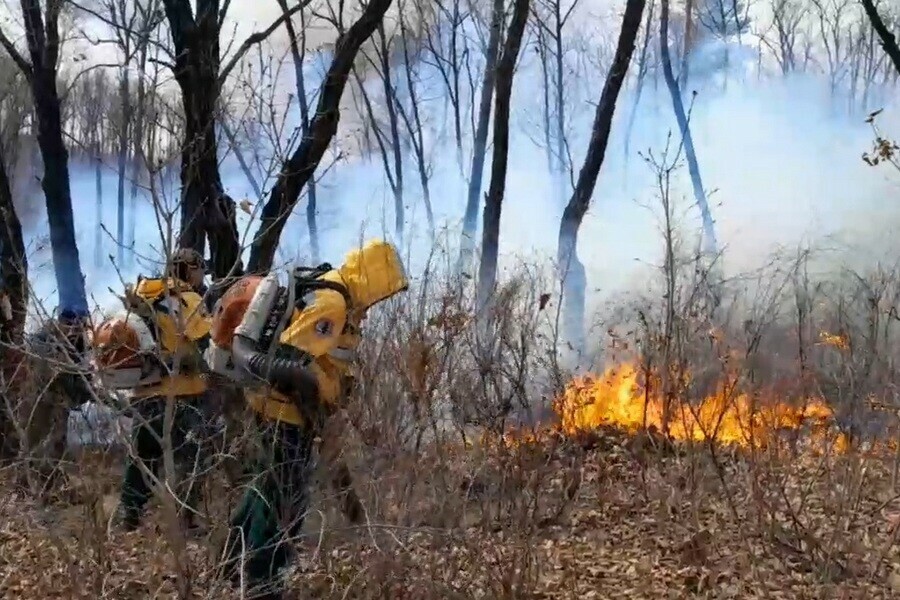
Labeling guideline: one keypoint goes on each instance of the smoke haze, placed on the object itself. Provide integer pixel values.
(780, 154)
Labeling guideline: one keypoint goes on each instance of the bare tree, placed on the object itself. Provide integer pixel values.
(641, 76)
(123, 14)
(448, 50)
(383, 52)
(479, 147)
(206, 210)
(888, 40)
(298, 54)
(493, 203)
(834, 18)
(787, 21)
(94, 100)
(723, 19)
(572, 275)
(414, 123)
(551, 20)
(299, 169)
(686, 46)
(709, 235)
(389, 143)
(14, 290)
(42, 34)
(13, 266)
(148, 19)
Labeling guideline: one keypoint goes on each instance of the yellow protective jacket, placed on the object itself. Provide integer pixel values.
(327, 329)
(182, 324)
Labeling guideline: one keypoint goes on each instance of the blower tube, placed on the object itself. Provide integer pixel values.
(288, 375)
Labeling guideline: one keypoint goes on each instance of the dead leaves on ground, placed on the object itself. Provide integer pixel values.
(649, 526)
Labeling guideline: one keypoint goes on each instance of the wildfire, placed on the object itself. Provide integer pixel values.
(619, 399)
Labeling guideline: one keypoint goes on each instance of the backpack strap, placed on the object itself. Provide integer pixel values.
(308, 279)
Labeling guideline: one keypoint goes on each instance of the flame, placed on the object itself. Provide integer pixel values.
(838, 341)
(618, 398)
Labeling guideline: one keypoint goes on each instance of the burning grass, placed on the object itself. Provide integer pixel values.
(621, 397)
(733, 472)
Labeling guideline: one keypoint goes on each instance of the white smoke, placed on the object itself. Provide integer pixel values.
(781, 154)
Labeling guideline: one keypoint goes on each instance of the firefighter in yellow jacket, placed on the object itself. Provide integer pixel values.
(294, 346)
(154, 350)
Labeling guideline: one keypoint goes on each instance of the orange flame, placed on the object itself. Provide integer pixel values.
(617, 398)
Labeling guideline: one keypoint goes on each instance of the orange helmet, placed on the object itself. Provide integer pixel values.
(121, 341)
(231, 308)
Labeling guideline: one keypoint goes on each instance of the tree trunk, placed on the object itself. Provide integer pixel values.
(395, 131)
(298, 54)
(456, 100)
(206, 210)
(55, 182)
(709, 244)
(545, 77)
(300, 168)
(562, 158)
(125, 94)
(686, 48)
(98, 210)
(416, 131)
(43, 49)
(479, 149)
(13, 264)
(571, 269)
(493, 203)
(137, 158)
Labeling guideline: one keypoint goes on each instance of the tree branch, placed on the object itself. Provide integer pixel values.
(256, 38)
(297, 171)
(223, 12)
(888, 41)
(15, 55)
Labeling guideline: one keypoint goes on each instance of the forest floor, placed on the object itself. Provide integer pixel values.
(617, 516)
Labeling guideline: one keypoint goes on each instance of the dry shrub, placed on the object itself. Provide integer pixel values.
(470, 493)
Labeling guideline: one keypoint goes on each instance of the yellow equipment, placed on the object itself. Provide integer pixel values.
(300, 341)
(150, 346)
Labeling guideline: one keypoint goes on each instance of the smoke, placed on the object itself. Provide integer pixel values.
(781, 156)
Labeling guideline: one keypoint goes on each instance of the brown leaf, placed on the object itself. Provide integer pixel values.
(543, 300)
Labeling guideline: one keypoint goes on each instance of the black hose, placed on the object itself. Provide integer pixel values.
(287, 375)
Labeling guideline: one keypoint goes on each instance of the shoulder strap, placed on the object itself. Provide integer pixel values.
(308, 279)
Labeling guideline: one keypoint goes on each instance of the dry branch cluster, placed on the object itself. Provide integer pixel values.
(456, 510)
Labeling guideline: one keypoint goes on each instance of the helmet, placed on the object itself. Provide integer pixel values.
(188, 257)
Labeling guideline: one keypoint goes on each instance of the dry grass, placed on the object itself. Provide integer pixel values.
(637, 522)
(453, 513)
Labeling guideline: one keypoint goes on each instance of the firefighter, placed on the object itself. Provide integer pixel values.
(154, 350)
(59, 367)
(294, 347)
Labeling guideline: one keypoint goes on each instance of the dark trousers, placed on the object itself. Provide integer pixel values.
(272, 511)
(188, 433)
